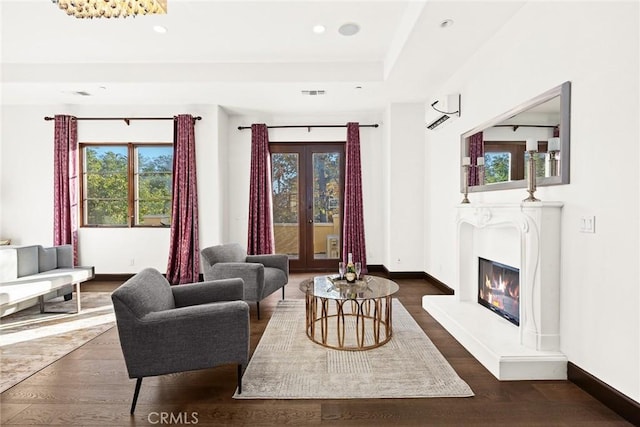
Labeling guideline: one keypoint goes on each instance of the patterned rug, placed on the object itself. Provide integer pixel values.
(31, 341)
(287, 365)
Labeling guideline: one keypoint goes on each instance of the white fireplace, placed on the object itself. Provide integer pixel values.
(526, 236)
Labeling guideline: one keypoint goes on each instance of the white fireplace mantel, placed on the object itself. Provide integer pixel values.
(527, 236)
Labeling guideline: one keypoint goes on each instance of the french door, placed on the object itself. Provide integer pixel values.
(308, 187)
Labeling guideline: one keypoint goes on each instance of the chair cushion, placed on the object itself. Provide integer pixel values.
(146, 292)
(230, 252)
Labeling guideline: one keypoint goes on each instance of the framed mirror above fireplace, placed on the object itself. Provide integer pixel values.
(497, 148)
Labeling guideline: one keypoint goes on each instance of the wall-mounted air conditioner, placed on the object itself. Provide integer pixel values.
(442, 110)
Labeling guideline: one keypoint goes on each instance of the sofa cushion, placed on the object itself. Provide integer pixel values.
(47, 259)
(27, 260)
(65, 256)
(8, 264)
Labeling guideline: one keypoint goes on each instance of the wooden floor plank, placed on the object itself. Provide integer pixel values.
(90, 386)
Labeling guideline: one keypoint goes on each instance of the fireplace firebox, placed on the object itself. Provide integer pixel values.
(499, 289)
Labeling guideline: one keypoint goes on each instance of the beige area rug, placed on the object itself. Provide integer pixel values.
(30, 340)
(287, 365)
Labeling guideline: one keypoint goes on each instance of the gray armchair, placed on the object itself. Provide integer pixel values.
(165, 329)
(262, 274)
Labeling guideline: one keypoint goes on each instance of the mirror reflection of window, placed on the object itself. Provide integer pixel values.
(497, 167)
(514, 169)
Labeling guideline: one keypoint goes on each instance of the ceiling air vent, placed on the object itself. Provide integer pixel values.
(313, 92)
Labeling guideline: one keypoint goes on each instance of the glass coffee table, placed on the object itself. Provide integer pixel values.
(347, 316)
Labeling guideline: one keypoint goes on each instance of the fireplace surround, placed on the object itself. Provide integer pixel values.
(526, 236)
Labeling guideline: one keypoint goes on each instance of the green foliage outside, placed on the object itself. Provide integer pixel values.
(284, 185)
(107, 187)
(496, 167)
(326, 187)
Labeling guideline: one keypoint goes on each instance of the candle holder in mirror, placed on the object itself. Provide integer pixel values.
(480, 170)
(532, 149)
(466, 162)
(553, 148)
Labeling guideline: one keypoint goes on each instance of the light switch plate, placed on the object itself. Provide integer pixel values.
(588, 224)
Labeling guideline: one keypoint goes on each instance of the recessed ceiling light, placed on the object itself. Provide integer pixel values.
(446, 23)
(319, 29)
(159, 29)
(349, 29)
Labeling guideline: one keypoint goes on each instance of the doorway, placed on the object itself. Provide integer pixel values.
(307, 182)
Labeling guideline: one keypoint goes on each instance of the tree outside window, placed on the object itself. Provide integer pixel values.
(126, 184)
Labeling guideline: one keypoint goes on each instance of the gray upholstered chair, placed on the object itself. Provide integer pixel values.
(262, 274)
(165, 329)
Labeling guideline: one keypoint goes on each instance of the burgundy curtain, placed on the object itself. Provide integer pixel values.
(65, 183)
(260, 236)
(353, 228)
(476, 149)
(184, 255)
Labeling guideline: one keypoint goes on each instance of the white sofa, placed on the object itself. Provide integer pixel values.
(31, 275)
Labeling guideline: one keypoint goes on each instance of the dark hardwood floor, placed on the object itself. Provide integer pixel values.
(90, 387)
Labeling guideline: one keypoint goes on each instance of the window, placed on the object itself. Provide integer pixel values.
(126, 185)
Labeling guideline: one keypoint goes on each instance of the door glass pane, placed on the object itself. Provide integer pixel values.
(326, 205)
(284, 182)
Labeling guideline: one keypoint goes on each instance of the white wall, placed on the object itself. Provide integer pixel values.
(27, 180)
(595, 45)
(239, 161)
(405, 204)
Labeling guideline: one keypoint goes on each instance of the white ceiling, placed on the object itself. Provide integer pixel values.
(243, 55)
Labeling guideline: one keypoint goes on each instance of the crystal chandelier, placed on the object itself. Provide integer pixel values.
(111, 8)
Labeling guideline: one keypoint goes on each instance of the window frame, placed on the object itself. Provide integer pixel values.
(131, 182)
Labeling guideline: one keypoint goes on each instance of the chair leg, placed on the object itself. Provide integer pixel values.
(239, 378)
(283, 292)
(135, 395)
(258, 308)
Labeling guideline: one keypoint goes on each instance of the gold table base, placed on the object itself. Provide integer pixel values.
(372, 319)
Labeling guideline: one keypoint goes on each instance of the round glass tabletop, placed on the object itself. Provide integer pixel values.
(368, 287)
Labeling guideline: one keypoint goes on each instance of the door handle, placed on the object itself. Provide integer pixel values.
(310, 221)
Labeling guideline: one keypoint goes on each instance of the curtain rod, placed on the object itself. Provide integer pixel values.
(515, 127)
(127, 120)
(375, 125)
